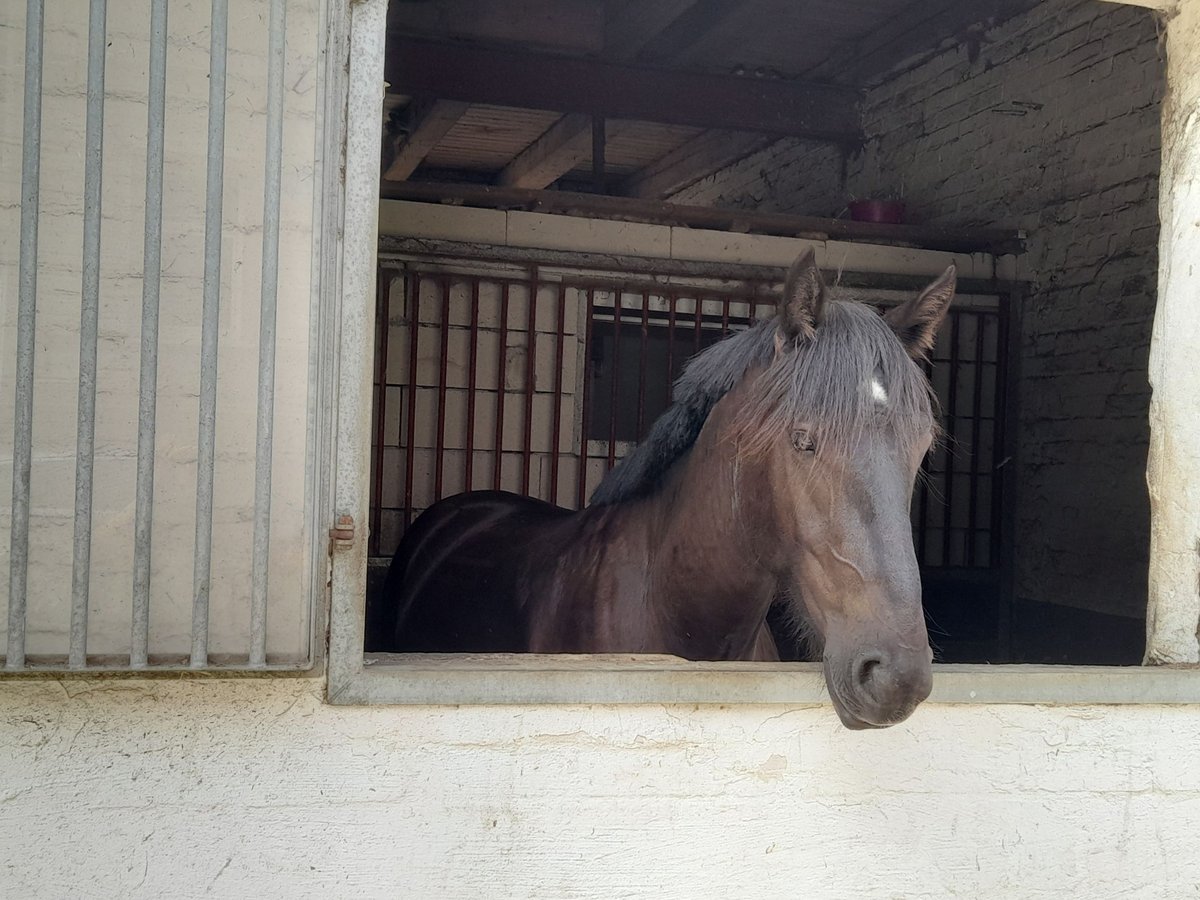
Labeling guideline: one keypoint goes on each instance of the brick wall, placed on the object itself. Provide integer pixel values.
(1053, 127)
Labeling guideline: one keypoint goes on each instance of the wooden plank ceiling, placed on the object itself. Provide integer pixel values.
(638, 98)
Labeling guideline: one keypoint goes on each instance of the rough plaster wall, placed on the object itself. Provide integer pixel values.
(256, 789)
(1054, 128)
(122, 234)
(1175, 450)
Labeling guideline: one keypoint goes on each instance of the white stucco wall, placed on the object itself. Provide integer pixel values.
(257, 789)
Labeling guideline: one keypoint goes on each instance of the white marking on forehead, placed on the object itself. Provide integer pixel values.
(879, 392)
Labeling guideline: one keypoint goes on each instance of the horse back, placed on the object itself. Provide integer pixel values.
(452, 583)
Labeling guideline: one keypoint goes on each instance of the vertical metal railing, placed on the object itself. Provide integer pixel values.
(83, 595)
(210, 316)
(148, 376)
(89, 323)
(266, 337)
(31, 137)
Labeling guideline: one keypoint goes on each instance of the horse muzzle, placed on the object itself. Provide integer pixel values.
(878, 687)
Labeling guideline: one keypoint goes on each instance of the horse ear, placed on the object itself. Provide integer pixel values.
(916, 321)
(803, 302)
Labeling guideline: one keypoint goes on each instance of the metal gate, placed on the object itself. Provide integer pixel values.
(139, 611)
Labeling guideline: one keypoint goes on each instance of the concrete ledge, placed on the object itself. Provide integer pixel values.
(608, 679)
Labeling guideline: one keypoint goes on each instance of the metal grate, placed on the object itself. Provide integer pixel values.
(142, 495)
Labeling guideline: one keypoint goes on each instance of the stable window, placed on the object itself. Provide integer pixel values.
(963, 532)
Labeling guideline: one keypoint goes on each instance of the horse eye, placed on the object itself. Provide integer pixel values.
(803, 441)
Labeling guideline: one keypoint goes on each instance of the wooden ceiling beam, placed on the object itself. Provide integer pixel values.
(672, 37)
(688, 163)
(430, 123)
(614, 91)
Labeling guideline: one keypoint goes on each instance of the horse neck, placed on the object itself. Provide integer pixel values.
(705, 561)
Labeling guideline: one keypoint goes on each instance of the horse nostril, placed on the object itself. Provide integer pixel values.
(865, 671)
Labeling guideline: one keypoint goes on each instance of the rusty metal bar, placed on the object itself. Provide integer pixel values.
(556, 426)
(641, 415)
(616, 372)
(439, 460)
(472, 366)
(976, 413)
(412, 291)
(672, 298)
(952, 418)
(530, 383)
(501, 375)
(923, 487)
(586, 413)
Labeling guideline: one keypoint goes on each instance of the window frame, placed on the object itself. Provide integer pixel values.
(351, 223)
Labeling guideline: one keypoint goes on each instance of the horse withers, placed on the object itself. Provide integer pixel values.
(782, 473)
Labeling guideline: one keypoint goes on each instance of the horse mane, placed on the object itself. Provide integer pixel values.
(818, 384)
(706, 378)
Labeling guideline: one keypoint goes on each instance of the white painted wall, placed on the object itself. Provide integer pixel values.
(256, 789)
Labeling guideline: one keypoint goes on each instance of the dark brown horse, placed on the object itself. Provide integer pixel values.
(783, 472)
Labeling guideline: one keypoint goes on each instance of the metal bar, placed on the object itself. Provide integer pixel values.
(264, 433)
(923, 486)
(413, 308)
(148, 378)
(530, 382)
(211, 311)
(502, 364)
(383, 304)
(641, 415)
(952, 418)
(671, 299)
(1007, 448)
(586, 412)
(89, 324)
(616, 373)
(555, 426)
(976, 412)
(472, 369)
(725, 317)
(696, 325)
(31, 136)
(439, 461)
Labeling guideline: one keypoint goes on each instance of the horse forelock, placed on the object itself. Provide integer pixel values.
(853, 375)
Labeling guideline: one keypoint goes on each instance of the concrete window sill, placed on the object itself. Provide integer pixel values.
(567, 679)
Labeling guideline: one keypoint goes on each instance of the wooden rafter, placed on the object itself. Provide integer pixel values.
(614, 91)
(646, 28)
(429, 125)
(687, 164)
(566, 144)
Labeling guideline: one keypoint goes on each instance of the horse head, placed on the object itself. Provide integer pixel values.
(832, 432)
